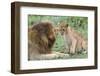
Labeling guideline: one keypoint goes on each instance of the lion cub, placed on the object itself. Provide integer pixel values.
(74, 42)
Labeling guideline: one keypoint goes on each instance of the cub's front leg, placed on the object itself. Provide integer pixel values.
(73, 46)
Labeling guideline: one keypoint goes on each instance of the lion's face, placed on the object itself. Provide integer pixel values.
(42, 36)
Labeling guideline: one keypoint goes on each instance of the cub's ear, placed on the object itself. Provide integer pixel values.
(67, 25)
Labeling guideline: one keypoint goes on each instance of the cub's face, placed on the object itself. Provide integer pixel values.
(63, 29)
(60, 30)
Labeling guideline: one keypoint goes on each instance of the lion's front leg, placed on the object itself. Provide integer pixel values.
(54, 55)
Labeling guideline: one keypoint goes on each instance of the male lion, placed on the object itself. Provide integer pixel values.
(74, 42)
(41, 38)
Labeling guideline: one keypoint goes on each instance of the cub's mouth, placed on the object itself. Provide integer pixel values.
(62, 33)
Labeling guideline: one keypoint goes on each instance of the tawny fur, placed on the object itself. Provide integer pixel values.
(41, 38)
(74, 42)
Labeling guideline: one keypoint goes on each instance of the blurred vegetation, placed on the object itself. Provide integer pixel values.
(80, 24)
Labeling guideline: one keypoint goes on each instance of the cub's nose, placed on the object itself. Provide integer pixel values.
(62, 33)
